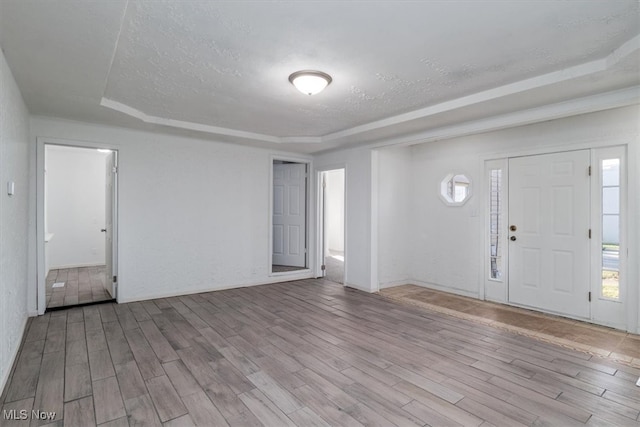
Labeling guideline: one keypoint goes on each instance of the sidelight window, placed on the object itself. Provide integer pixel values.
(610, 223)
(495, 224)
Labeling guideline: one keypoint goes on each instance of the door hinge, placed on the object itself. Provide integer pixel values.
(589, 233)
(115, 279)
(323, 267)
(114, 169)
(589, 170)
(589, 296)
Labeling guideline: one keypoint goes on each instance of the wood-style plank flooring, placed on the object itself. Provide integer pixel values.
(81, 285)
(591, 338)
(304, 353)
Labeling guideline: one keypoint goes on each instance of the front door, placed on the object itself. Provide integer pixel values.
(289, 214)
(549, 210)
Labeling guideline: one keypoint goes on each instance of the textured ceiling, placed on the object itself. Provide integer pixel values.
(221, 68)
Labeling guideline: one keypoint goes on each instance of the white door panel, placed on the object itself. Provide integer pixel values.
(289, 214)
(549, 206)
(294, 240)
(278, 239)
(110, 205)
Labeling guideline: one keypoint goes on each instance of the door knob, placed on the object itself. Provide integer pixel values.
(103, 230)
(513, 228)
(513, 238)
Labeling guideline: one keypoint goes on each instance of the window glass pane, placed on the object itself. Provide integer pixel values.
(496, 268)
(610, 229)
(495, 248)
(610, 284)
(611, 200)
(610, 288)
(611, 172)
(460, 192)
(495, 224)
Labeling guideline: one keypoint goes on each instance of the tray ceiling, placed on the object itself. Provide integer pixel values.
(220, 68)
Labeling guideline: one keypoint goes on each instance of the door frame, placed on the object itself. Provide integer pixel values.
(308, 235)
(320, 225)
(114, 228)
(41, 301)
(488, 289)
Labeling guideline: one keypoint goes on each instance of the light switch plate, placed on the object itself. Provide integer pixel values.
(11, 188)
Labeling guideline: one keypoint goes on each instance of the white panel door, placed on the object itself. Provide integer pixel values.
(289, 214)
(110, 205)
(549, 249)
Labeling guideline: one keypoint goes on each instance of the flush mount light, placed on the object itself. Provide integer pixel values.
(310, 82)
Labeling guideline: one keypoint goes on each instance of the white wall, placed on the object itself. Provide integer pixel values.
(14, 214)
(445, 244)
(75, 206)
(335, 210)
(193, 214)
(395, 207)
(444, 239)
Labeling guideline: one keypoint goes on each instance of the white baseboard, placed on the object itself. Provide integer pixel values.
(360, 288)
(433, 286)
(395, 283)
(307, 274)
(61, 267)
(5, 379)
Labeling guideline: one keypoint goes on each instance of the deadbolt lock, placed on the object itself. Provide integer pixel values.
(513, 228)
(513, 238)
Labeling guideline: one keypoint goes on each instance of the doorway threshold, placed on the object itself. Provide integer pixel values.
(84, 304)
(285, 268)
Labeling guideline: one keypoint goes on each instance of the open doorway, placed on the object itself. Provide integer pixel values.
(79, 225)
(332, 211)
(289, 217)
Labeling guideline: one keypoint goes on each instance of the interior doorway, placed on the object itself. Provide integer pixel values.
(332, 221)
(289, 217)
(80, 205)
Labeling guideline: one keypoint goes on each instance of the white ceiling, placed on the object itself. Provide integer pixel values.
(220, 69)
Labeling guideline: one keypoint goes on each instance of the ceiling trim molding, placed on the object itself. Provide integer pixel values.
(574, 107)
(554, 77)
(546, 112)
(199, 127)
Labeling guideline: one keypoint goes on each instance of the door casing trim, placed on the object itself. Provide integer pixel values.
(40, 295)
(309, 257)
(488, 160)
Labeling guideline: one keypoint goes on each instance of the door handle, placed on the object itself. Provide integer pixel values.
(103, 230)
(512, 238)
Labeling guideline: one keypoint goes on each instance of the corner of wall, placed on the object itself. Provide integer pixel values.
(14, 219)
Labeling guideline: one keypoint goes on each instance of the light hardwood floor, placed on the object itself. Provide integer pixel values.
(599, 340)
(304, 353)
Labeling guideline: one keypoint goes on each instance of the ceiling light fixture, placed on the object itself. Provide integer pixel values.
(310, 82)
